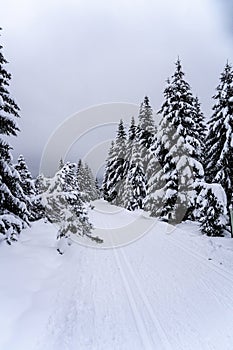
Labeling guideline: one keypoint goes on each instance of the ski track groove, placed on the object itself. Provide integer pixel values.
(211, 265)
(142, 331)
(148, 307)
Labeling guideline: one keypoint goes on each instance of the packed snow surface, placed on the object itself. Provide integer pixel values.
(169, 289)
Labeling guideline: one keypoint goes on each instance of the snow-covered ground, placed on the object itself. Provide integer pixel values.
(168, 289)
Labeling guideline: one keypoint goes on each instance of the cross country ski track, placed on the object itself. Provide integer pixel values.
(153, 292)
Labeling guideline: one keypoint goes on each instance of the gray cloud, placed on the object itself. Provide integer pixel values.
(69, 55)
(226, 10)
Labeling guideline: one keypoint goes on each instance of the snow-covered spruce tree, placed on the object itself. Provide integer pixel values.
(65, 207)
(28, 186)
(70, 185)
(13, 210)
(130, 144)
(86, 183)
(81, 181)
(25, 177)
(131, 140)
(118, 165)
(200, 131)
(145, 131)
(109, 173)
(135, 188)
(213, 212)
(219, 159)
(115, 167)
(92, 189)
(154, 199)
(41, 185)
(98, 189)
(177, 147)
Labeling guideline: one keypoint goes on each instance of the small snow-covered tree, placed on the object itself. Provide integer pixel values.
(65, 207)
(219, 159)
(213, 211)
(70, 186)
(13, 210)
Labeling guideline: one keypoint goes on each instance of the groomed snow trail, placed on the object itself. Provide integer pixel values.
(159, 292)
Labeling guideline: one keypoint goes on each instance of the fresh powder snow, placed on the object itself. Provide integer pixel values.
(171, 289)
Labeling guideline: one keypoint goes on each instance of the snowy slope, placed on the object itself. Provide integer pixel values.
(159, 292)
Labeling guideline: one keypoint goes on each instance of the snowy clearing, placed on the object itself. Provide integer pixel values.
(169, 289)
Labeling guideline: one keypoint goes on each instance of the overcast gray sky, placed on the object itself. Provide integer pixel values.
(68, 55)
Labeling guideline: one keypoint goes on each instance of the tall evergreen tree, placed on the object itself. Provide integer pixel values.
(81, 181)
(13, 210)
(219, 160)
(177, 147)
(28, 186)
(200, 131)
(115, 168)
(154, 199)
(130, 144)
(145, 131)
(109, 173)
(132, 133)
(152, 202)
(135, 188)
(119, 164)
